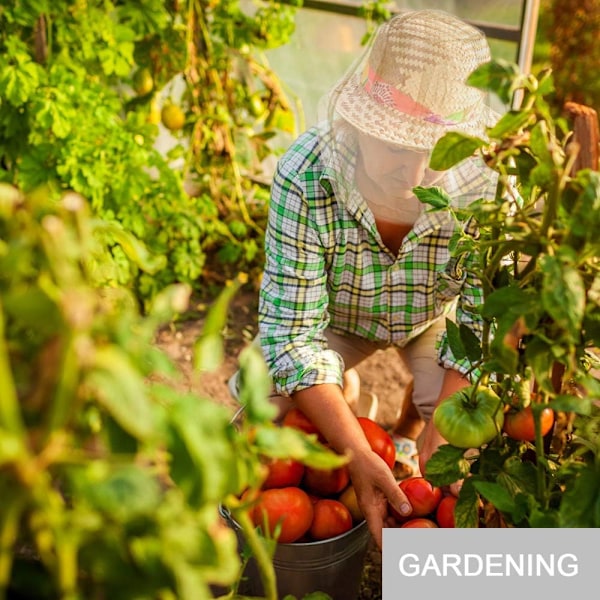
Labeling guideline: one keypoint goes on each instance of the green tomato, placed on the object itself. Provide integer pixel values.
(469, 420)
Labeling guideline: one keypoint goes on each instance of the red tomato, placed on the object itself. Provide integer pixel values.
(379, 439)
(298, 420)
(444, 513)
(331, 518)
(423, 497)
(283, 472)
(325, 482)
(289, 507)
(520, 426)
(419, 523)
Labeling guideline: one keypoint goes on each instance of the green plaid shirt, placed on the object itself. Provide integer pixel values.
(326, 266)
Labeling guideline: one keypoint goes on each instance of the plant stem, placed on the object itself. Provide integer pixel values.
(540, 459)
(259, 551)
(10, 414)
(9, 529)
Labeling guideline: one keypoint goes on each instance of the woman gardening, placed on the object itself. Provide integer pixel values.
(354, 262)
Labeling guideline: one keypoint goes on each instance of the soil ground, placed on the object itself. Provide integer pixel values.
(382, 374)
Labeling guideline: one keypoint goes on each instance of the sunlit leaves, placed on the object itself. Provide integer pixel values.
(563, 295)
(452, 149)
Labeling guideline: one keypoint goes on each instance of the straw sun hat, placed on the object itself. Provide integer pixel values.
(409, 87)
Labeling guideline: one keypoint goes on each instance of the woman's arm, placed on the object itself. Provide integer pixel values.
(371, 477)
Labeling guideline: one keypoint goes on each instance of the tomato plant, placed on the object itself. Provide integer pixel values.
(531, 246)
(380, 440)
(283, 472)
(284, 512)
(470, 417)
(444, 513)
(419, 523)
(118, 63)
(331, 518)
(325, 482)
(520, 425)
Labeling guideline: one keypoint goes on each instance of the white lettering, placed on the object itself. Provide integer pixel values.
(491, 561)
(431, 565)
(469, 560)
(413, 566)
(512, 564)
(571, 568)
(452, 561)
(491, 565)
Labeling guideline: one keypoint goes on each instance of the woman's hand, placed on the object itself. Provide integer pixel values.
(373, 480)
(375, 487)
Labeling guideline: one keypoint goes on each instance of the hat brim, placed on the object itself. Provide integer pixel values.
(357, 107)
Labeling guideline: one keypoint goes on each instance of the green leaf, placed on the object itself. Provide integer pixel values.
(447, 465)
(466, 509)
(123, 492)
(120, 388)
(452, 148)
(255, 385)
(580, 505)
(471, 343)
(209, 352)
(204, 461)
(496, 76)
(501, 498)
(18, 82)
(510, 299)
(12, 448)
(568, 403)
(563, 295)
(510, 123)
(543, 519)
(454, 340)
(436, 197)
(540, 143)
(134, 248)
(287, 442)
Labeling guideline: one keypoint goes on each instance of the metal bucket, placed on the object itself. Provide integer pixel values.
(334, 566)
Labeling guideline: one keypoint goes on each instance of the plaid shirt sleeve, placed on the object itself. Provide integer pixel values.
(293, 297)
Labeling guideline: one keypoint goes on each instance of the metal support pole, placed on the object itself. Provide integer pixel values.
(529, 22)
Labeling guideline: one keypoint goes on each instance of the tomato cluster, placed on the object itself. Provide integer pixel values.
(298, 503)
(468, 420)
(431, 507)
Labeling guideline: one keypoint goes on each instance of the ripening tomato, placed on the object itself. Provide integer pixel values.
(468, 420)
(298, 420)
(325, 482)
(423, 496)
(349, 500)
(172, 117)
(520, 425)
(289, 507)
(283, 472)
(330, 518)
(380, 440)
(419, 523)
(444, 513)
(143, 83)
